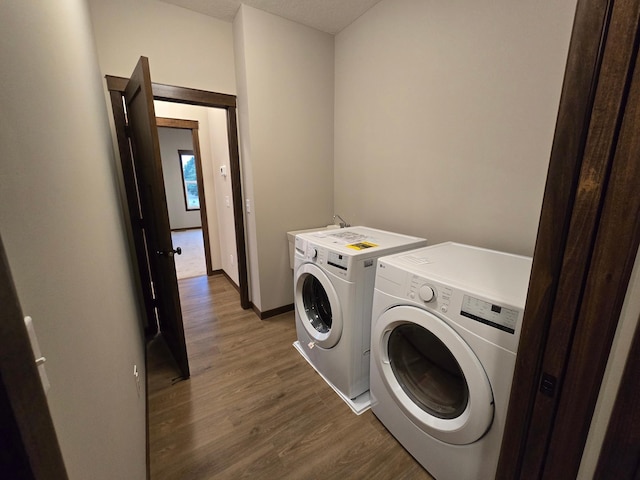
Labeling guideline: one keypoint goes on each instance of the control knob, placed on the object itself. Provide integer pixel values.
(313, 253)
(426, 293)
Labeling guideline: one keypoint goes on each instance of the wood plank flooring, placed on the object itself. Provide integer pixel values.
(253, 408)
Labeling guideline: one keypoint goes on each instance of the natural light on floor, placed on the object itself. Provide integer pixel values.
(191, 263)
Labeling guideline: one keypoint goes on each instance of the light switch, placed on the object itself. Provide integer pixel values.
(226, 201)
(39, 359)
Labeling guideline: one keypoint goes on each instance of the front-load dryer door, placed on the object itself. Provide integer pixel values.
(433, 375)
(318, 305)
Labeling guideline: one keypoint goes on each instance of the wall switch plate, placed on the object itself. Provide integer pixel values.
(136, 375)
(38, 357)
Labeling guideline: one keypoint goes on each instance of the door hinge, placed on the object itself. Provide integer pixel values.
(127, 131)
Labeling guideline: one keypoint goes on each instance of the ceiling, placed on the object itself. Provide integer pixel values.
(329, 16)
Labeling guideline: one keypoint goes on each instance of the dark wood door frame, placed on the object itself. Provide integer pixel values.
(116, 86)
(192, 125)
(587, 242)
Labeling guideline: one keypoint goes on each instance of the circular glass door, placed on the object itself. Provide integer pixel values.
(427, 371)
(318, 306)
(432, 374)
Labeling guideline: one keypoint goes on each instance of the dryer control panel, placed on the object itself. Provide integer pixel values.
(491, 314)
(492, 319)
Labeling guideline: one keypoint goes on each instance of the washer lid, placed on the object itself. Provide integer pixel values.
(363, 241)
(433, 375)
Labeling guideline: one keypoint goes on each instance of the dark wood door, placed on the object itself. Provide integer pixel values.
(145, 147)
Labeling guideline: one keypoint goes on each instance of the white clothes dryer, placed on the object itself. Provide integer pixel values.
(333, 290)
(446, 321)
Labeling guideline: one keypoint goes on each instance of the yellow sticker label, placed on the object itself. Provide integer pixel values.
(362, 245)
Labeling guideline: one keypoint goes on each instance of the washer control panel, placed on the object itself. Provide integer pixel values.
(334, 262)
(338, 260)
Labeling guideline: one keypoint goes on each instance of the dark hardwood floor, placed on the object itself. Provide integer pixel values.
(253, 408)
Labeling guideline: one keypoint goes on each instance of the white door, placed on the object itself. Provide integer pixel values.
(318, 305)
(433, 375)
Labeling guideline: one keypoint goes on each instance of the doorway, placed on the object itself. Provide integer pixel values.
(187, 206)
(188, 96)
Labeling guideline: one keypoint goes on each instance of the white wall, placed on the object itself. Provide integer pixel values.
(285, 100)
(172, 140)
(218, 135)
(244, 146)
(63, 230)
(445, 113)
(184, 48)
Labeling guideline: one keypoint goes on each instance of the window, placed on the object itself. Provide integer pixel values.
(189, 179)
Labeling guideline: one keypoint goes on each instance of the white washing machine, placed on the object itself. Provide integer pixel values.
(446, 321)
(333, 291)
